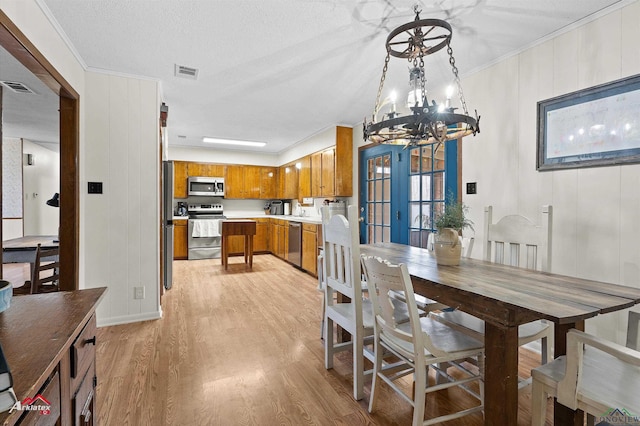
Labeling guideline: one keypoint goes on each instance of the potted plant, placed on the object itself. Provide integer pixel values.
(450, 224)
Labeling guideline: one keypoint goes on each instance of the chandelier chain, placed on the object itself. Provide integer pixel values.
(454, 69)
(423, 90)
(384, 75)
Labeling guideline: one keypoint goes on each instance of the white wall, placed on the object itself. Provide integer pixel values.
(122, 224)
(595, 230)
(41, 181)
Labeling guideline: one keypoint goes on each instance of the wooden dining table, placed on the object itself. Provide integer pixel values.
(506, 297)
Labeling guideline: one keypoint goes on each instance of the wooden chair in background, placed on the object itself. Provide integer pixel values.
(44, 272)
(599, 377)
(516, 241)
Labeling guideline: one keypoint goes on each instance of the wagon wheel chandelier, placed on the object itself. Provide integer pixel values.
(427, 123)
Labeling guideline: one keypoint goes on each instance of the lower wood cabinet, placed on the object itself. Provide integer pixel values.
(310, 248)
(180, 239)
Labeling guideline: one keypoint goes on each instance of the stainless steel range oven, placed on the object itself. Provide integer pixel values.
(204, 239)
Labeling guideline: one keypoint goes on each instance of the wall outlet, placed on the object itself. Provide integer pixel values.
(138, 292)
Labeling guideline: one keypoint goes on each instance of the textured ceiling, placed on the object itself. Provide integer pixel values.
(280, 71)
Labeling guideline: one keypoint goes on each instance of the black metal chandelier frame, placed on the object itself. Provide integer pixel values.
(427, 123)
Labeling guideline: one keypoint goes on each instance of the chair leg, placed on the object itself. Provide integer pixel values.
(322, 334)
(419, 399)
(377, 367)
(358, 366)
(328, 343)
(538, 404)
(546, 350)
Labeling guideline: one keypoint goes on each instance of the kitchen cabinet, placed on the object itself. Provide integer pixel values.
(344, 162)
(323, 173)
(332, 169)
(310, 248)
(180, 239)
(288, 185)
(269, 177)
(243, 181)
(280, 238)
(62, 355)
(304, 178)
(206, 169)
(180, 175)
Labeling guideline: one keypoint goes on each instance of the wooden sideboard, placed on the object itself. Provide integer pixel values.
(49, 343)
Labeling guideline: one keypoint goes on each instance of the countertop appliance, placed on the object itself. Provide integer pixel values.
(205, 186)
(276, 207)
(204, 240)
(167, 223)
(295, 243)
(182, 209)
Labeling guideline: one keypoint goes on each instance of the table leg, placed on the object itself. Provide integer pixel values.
(246, 248)
(501, 375)
(224, 256)
(250, 251)
(563, 415)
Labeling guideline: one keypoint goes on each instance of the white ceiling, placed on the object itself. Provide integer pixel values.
(277, 71)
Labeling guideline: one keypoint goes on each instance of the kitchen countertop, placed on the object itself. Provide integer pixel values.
(254, 215)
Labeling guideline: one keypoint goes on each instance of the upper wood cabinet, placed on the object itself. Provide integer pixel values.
(269, 182)
(332, 169)
(250, 182)
(288, 185)
(180, 174)
(344, 162)
(206, 169)
(304, 178)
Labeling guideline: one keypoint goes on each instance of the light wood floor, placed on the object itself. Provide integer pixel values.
(241, 348)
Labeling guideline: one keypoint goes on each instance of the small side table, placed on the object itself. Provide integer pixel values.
(238, 227)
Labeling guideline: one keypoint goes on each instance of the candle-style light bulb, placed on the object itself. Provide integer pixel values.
(449, 93)
(392, 97)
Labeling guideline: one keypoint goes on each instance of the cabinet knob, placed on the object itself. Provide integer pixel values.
(91, 341)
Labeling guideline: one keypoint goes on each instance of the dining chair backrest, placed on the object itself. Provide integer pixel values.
(45, 272)
(517, 241)
(384, 278)
(341, 253)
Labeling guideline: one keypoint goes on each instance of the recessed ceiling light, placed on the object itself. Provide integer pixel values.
(232, 142)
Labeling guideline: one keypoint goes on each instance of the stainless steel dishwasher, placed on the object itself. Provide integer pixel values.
(295, 243)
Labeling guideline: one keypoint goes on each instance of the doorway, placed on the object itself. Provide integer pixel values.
(17, 44)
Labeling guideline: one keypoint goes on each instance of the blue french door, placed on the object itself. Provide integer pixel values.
(403, 189)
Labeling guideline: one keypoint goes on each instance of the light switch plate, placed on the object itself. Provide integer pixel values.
(307, 200)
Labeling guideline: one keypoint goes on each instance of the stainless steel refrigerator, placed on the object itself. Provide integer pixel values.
(167, 221)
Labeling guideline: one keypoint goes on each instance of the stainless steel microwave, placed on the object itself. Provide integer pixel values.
(206, 186)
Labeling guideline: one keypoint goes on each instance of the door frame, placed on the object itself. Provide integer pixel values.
(19, 46)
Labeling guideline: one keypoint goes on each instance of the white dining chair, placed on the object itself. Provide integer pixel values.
(419, 344)
(516, 241)
(599, 377)
(345, 305)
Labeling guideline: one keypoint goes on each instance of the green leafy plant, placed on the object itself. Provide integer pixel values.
(454, 216)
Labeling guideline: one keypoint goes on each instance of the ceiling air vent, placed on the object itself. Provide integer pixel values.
(17, 87)
(186, 72)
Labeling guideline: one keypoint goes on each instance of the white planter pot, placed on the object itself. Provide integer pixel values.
(447, 247)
